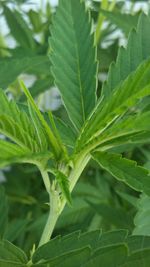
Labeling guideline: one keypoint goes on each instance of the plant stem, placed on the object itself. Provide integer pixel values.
(103, 5)
(56, 207)
(101, 17)
(52, 218)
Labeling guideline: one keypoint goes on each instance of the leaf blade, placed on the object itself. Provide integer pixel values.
(76, 80)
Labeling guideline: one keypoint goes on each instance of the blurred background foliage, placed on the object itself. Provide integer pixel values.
(99, 201)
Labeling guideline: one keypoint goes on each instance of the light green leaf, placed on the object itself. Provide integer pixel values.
(124, 170)
(16, 125)
(74, 63)
(57, 148)
(131, 130)
(121, 101)
(11, 153)
(3, 212)
(137, 50)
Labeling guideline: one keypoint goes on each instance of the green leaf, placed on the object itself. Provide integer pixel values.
(11, 256)
(121, 101)
(111, 256)
(60, 246)
(129, 58)
(11, 153)
(74, 72)
(3, 212)
(16, 125)
(64, 185)
(142, 217)
(11, 68)
(139, 242)
(18, 27)
(57, 148)
(138, 259)
(124, 170)
(15, 229)
(131, 130)
(69, 138)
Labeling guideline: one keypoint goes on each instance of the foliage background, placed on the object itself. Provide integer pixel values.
(99, 201)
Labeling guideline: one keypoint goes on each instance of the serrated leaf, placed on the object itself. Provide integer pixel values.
(64, 185)
(18, 27)
(74, 72)
(124, 170)
(57, 148)
(16, 125)
(75, 241)
(129, 58)
(125, 96)
(130, 130)
(3, 212)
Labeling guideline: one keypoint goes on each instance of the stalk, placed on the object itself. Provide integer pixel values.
(103, 5)
(57, 205)
(52, 218)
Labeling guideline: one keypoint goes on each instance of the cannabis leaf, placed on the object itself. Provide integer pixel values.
(119, 102)
(129, 58)
(16, 125)
(74, 64)
(124, 170)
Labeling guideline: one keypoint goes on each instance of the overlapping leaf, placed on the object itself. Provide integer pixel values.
(73, 60)
(129, 58)
(123, 99)
(113, 249)
(17, 126)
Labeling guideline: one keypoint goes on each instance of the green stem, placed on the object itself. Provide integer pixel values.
(52, 218)
(101, 18)
(103, 5)
(56, 207)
